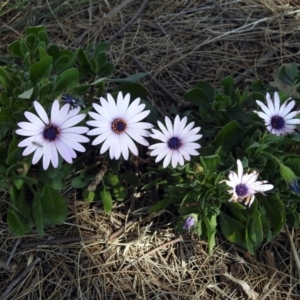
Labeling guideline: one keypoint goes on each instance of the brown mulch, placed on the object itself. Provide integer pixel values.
(179, 42)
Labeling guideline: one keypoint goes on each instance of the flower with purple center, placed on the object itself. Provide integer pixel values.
(278, 119)
(117, 124)
(244, 186)
(177, 141)
(48, 137)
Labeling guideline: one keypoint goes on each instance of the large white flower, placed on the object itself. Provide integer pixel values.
(117, 124)
(177, 141)
(278, 119)
(47, 137)
(244, 186)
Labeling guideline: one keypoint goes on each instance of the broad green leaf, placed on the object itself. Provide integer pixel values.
(211, 162)
(40, 69)
(275, 211)
(68, 80)
(79, 183)
(228, 136)
(83, 59)
(6, 117)
(37, 213)
(15, 49)
(287, 73)
(53, 51)
(106, 199)
(35, 30)
(134, 89)
(26, 94)
(101, 48)
(198, 97)
(106, 69)
(18, 216)
(14, 156)
(232, 229)
(228, 84)
(42, 35)
(54, 207)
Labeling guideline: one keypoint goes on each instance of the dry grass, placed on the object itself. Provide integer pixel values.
(179, 42)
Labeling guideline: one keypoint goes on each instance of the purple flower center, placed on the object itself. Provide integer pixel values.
(118, 126)
(174, 143)
(50, 133)
(241, 190)
(277, 122)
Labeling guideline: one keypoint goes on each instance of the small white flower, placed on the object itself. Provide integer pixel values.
(117, 124)
(244, 186)
(177, 141)
(278, 119)
(47, 137)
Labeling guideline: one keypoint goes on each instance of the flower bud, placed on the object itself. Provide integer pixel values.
(287, 174)
(190, 221)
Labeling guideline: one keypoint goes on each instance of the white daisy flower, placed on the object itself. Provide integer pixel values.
(117, 124)
(48, 137)
(177, 141)
(244, 186)
(278, 119)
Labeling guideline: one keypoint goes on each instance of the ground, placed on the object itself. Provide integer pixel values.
(130, 254)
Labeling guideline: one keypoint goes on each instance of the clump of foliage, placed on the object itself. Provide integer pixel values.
(230, 129)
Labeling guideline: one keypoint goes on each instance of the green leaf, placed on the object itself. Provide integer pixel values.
(106, 198)
(37, 213)
(134, 89)
(130, 78)
(232, 229)
(228, 136)
(54, 207)
(42, 35)
(211, 162)
(79, 183)
(197, 97)
(18, 216)
(287, 73)
(28, 180)
(15, 49)
(159, 205)
(68, 80)
(5, 78)
(131, 178)
(26, 94)
(106, 69)
(14, 156)
(101, 48)
(83, 59)
(119, 192)
(40, 69)
(207, 89)
(211, 230)
(35, 30)
(228, 84)
(89, 196)
(6, 117)
(255, 231)
(275, 211)
(53, 51)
